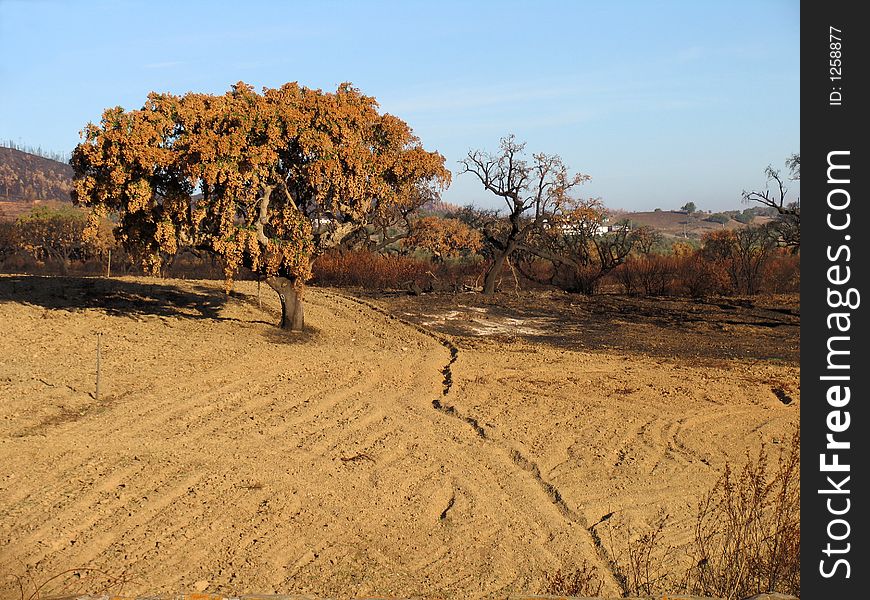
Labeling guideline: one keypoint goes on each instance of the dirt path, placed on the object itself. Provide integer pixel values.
(227, 457)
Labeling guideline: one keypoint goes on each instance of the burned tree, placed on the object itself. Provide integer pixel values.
(787, 225)
(578, 248)
(531, 191)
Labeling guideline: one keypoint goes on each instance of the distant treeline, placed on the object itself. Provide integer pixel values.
(62, 157)
(443, 254)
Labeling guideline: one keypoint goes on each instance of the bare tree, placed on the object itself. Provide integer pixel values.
(787, 225)
(577, 249)
(530, 190)
(646, 238)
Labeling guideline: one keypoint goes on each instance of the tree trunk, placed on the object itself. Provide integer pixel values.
(292, 317)
(494, 272)
(63, 259)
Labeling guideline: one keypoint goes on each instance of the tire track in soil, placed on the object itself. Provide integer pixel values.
(361, 432)
(516, 457)
(92, 482)
(210, 477)
(172, 483)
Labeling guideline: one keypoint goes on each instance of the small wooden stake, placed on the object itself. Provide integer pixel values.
(99, 339)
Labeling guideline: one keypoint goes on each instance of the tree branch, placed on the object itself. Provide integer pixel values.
(263, 217)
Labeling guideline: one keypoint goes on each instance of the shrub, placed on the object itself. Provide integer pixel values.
(368, 270)
(783, 272)
(8, 239)
(626, 275)
(641, 564)
(699, 277)
(650, 275)
(727, 264)
(743, 253)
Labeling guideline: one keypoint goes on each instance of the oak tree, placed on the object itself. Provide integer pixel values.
(578, 251)
(266, 181)
(443, 237)
(53, 234)
(531, 189)
(645, 238)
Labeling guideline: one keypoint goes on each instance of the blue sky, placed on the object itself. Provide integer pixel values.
(660, 102)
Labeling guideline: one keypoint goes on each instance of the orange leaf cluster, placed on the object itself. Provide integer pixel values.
(444, 237)
(244, 174)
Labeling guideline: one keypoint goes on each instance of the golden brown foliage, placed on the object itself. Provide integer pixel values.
(444, 237)
(244, 175)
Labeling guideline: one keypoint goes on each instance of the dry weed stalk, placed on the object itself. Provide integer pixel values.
(747, 532)
(746, 538)
(101, 582)
(640, 564)
(582, 581)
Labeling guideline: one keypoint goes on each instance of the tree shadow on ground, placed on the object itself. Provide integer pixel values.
(275, 334)
(116, 297)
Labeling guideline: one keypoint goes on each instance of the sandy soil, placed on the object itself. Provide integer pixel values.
(363, 457)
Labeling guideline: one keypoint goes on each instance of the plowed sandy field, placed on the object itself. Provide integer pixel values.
(364, 457)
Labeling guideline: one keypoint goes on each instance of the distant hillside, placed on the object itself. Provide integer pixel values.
(681, 224)
(439, 207)
(27, 179)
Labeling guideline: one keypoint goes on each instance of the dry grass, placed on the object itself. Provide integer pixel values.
(70, 583)
(747, 534)
(747, 539)
(582, 581)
